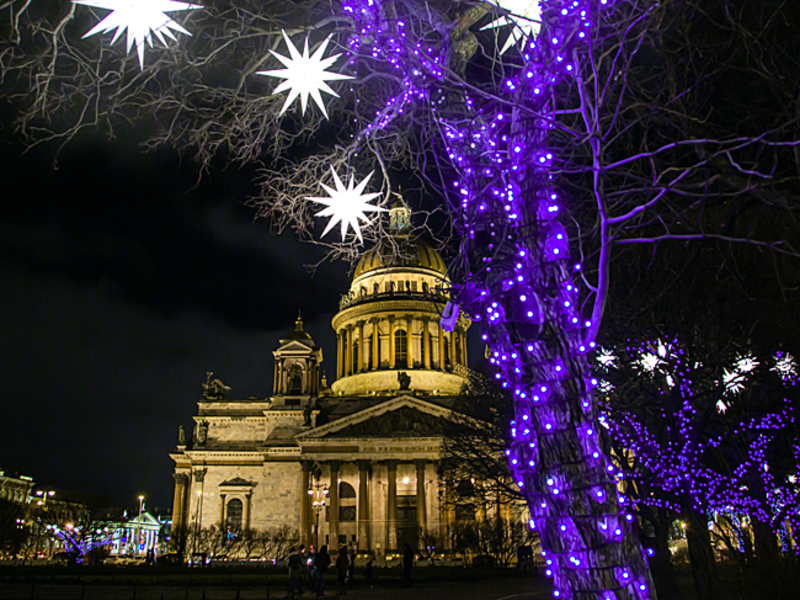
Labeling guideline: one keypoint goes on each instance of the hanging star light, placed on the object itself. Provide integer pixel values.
(347, 205)
(141, 18)
(305, 75)
(524, 17)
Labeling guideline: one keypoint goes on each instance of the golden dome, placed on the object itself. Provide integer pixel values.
(298, 333)
(413, 253)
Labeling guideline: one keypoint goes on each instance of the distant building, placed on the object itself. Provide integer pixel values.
(16, 488)
(369, 445)
(137, 536)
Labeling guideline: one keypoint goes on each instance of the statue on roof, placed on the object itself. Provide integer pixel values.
(404, 379)
(214, 390)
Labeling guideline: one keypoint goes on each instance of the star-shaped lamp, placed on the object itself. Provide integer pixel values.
(346, 205)
(305, 75)
(141, 18)
(524, 16)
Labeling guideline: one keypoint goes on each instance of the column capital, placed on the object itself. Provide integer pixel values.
(364, 465)
(391, 464)
(391, 318)
(199, 475)
(181, 478)
(420, 462)
(307, 465)
(334, 465)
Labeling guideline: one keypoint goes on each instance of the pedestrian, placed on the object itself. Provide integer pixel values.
(310, 571)
(321, 563)
(369, 572)
(408, 561)
(342, 567)
(295, 573)
(351, 569)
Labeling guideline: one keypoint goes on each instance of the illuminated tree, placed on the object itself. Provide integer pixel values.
(596, 108)
(708, 441)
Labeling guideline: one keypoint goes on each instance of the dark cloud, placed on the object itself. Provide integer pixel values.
(121, 284)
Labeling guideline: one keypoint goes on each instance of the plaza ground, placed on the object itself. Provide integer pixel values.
(229, 584)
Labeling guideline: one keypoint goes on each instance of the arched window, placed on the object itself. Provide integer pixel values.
(425, 287)
(295, 376)
(347, 503)
(446, 358)
(375, 288)
(234, 515)
(400, 348)
(346, 490)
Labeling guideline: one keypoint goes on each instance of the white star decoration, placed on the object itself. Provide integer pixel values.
(142, 19)
(524, 16)
(305, 75)
(347, 205)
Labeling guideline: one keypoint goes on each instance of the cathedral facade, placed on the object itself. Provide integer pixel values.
(355, 463)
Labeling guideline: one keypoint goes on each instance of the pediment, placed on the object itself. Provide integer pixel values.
(236, 481)
(294, 346)
(401, 417)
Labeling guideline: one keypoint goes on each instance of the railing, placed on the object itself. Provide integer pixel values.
(348, 300)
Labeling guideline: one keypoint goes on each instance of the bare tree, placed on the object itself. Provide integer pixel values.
(608, 108)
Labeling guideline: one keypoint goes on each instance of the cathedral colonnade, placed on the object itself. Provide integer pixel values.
(399, 342)
(394, 501)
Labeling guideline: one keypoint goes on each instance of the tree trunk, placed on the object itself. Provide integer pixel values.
(661, 561)
(701, 556)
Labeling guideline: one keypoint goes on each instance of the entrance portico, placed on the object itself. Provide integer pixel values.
(395, 477)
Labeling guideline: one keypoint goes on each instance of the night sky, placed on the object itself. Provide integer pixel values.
(121, 284)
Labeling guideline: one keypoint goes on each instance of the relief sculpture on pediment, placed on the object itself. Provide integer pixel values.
(403, 422)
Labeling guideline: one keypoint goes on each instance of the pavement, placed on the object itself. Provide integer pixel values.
(499, 589)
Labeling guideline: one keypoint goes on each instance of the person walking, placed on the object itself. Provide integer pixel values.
(295, 573)
(322, 561)
(342, 568)
(351, 569)
(408, 562)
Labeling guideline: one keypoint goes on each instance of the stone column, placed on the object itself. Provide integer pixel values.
(391, 505)
(422, 519)
(333, 499)
(305, 506)
(376, 340)
(222, 512)
(348, 354)
(275, 389)
(179, 501)
(453, 349)
(338, 354)
(426, 343)
(391, 342)
(441, 346)
(409, 342)
(247, 500)
(464, 360)
(363, 506)
(361, 346)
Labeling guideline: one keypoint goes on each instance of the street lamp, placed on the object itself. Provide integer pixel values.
(138, 526)
(319, 493)
(43, 495)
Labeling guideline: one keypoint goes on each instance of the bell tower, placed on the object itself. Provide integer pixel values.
(297, 369)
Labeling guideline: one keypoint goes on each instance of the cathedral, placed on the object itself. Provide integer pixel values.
(355, 463)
